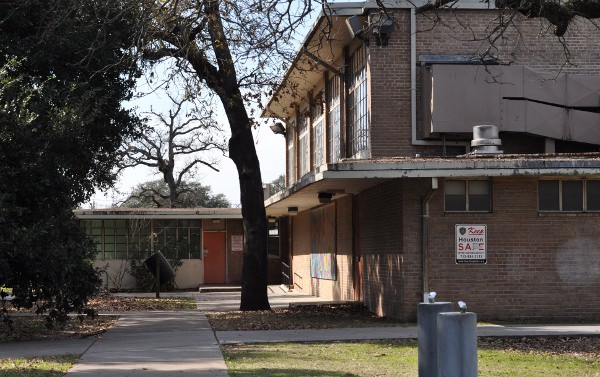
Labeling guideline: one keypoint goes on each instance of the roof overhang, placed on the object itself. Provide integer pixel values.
(158, 213)
(353, 176)
(326, 41)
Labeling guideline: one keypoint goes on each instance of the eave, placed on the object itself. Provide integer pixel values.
(352, 176)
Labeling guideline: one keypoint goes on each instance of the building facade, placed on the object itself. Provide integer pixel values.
(209, 242)
(392, 193)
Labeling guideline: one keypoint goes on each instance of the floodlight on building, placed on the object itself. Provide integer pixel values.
(292, 211)
(325, 197)
(278, 128)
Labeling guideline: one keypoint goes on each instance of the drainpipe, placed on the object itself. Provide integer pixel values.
(425, 234)
(413, 89)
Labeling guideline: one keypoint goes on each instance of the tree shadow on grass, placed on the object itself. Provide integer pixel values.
(276, 372)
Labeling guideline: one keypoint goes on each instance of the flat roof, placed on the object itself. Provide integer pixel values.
(352, 176)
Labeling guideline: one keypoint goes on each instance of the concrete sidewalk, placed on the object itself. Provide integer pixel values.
(154, 344)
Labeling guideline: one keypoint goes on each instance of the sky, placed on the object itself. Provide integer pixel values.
(270, 149)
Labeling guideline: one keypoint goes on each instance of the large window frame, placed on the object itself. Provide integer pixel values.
(468, 195)
(333, 117)
(291, 162)
(358, 107)
(139, 238)
(303, 143)
(569, 195)
(318, 153)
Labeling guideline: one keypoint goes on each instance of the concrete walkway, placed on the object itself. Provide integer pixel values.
(166, 343)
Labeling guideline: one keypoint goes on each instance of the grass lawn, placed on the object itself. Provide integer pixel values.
(390, 358)
(55, 366)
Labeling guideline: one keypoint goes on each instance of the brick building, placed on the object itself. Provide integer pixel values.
(209, 241)
(392, 193)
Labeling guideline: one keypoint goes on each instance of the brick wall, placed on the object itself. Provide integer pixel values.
(235, 259)
(342, 287)
(380, 245)
(539, 265)
(460, 32)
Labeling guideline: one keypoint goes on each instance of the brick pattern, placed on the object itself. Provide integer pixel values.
(460, 32)
(342, 287)
(235, 259)
(539, 265)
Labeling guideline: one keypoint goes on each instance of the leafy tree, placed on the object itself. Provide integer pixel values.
(61, 124)
(190, 195)
(278, 184)
(183, 137)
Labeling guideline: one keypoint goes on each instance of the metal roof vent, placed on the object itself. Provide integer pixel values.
(485, 140)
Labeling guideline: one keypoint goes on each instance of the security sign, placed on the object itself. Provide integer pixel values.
(471, 243)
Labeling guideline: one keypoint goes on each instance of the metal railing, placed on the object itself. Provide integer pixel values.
(285, 274)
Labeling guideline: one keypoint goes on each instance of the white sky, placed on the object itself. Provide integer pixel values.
(269, 147)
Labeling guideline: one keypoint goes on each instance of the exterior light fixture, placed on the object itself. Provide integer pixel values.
(292, 211)
(325, 197)
(382, 28)
(278, 128)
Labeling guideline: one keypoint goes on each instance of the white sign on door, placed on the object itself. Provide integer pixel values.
(471, 243)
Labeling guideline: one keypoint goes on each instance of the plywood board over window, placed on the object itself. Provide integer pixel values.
(322, 232)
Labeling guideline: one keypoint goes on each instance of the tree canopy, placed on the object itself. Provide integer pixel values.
(61, 124)
(190, 195)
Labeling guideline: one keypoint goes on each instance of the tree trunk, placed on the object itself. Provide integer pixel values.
(243, 154)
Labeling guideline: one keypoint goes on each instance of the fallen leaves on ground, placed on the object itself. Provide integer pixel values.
(581, 346)
(111, 303)
(298, 318)
(33, 327)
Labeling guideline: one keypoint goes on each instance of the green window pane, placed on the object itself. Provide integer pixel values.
(593, 195)
(572, 195)
(548, 195)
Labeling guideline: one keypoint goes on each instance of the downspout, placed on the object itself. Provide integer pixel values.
(425, 236)
(413, 88)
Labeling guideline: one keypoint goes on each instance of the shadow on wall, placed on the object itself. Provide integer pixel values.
(383, 285)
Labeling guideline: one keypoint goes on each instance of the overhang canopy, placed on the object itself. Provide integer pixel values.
(353, 176)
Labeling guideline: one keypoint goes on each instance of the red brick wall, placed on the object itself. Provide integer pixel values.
(460, 32)
(342, 287)
(539, 265)
(235, 259)
(381, 232)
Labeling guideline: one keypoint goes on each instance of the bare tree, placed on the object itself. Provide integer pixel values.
(233, 49)
(185, 136)
(558, 12)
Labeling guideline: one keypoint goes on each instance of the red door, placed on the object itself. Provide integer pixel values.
(214, 257)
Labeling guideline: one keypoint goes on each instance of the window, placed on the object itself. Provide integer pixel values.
(569, 195)
(303, 143)
(291, 162)
(333, 118)
(467, 196)
(358, 111)
(273, 241)
(317, 132)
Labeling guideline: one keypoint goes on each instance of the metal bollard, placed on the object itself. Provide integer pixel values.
(427, 317)
(457, 344)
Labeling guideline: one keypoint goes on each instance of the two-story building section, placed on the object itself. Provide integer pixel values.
(393, 192)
